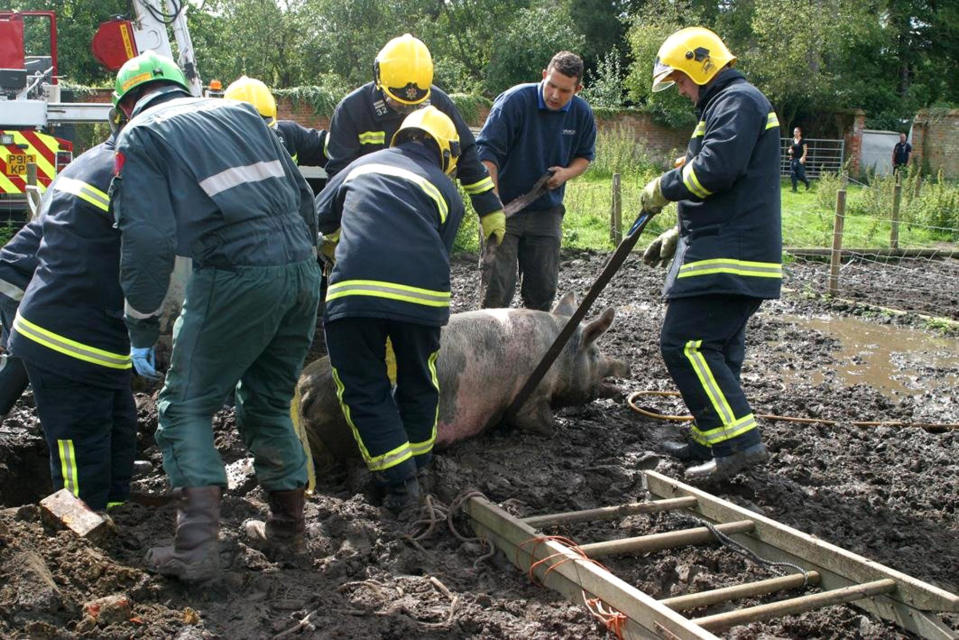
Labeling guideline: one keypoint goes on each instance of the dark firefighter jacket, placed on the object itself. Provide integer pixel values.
(398, 214)
(729, 199)
(18, 259)
(362, 123)
(307, 146)
(71, 317)
(203, 178)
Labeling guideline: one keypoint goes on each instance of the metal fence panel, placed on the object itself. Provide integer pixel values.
(823, 155)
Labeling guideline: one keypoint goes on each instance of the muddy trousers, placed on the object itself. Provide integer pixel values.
(395, 431)
(92, 434)
(531, 247)
(703, 342)
(248, 329)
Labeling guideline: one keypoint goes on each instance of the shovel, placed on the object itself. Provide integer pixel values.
(613, 264)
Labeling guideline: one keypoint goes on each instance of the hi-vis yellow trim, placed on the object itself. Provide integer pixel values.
(68, 466)
(729, 265)
(692, 182)
(373, 463)
(44, 166)
(772, 120)
(420, 448)
(442, 208)
(390, 290)
(478, 187)
(84, 191)
(7, 186)
(700, 129)
(70, 347)
(372, 137)
(731, 425)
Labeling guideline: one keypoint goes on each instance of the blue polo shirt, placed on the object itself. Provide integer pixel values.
(523, 138)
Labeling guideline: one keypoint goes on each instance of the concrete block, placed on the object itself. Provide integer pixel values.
(64, 509)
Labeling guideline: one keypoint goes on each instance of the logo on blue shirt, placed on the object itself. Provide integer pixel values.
(569, 132)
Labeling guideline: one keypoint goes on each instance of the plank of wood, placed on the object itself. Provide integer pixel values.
(838, 568)
(570, 574)
(659, 541)
(739, 591)
(608, 513)
(728, 619)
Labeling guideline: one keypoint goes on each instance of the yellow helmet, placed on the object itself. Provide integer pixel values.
(438, 127)
(403, 70)
(254, 92)
(696, 51)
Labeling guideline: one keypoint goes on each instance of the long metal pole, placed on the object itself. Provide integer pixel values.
(612, 266)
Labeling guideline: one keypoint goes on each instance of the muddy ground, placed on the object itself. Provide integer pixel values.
(889, 493)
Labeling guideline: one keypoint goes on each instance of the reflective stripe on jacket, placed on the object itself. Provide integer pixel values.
(397, 213)
(729, 196)
(71, 316)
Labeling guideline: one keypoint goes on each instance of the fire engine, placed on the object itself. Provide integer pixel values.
(30, 104)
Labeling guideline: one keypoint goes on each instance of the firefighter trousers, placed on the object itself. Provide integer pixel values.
(703, 342)
(395, 430)
(13, 375)
(91, 431)
(246, 329)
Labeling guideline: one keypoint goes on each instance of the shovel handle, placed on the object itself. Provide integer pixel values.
(609, 270)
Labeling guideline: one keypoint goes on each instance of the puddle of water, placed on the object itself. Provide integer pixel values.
(893, 359)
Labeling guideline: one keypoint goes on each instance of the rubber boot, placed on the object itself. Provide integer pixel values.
(686, 451)
(195, 554)
(723, 467)
(284, 532)
(403, 499)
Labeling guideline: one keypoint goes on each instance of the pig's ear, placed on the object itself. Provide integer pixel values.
(598, 327)
(566, 305)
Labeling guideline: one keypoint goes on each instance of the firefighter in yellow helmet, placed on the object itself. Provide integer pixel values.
(396, 213)
(728, 255)
(306, 146)
(366, 120)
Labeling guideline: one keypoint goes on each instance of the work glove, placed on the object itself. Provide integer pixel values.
(144, 361)
(660, 251)
(327, 245)
(652, 199)
(494, 224)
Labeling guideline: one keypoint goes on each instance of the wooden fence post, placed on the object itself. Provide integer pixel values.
(896, 201)
(835, 260)
(616, 213)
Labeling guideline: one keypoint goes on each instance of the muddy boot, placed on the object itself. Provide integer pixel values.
(403, 499)
(689, 452)
(195, 555)
(284, 531)
(722, 467)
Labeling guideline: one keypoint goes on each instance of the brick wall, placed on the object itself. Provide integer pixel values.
(935, 141)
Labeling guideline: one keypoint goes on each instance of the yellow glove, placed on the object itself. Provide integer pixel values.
(660, 251)
(652, 199)
(328, 242)
(494, 224)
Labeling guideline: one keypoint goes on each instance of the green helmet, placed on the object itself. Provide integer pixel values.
(146, 67)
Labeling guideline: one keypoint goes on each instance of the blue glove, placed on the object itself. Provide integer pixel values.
(144, 361)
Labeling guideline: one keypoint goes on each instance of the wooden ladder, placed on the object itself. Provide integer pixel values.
(843, 576)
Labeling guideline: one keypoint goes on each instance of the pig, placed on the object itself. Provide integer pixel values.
(485, 358)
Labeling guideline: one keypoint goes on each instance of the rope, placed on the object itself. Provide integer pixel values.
(746, 551)
(928, 426)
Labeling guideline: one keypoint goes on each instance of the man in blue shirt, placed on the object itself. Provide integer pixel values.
(531, 129)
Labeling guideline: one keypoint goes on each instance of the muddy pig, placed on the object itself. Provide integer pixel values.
(485, 357)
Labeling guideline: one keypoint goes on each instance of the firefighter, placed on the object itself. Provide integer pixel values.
(366, 120)
(18, 261)
(307, 146)
(728, 258)
(70, 334)
(396, 213)
(206, 178)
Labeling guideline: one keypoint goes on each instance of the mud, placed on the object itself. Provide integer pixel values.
(889, 493)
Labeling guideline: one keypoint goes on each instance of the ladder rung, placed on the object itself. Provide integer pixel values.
(739, 591)
(658, 541)
(728, 619)
(610, 513)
